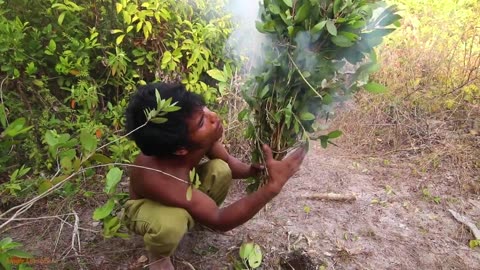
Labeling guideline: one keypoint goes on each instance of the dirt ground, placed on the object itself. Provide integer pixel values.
(393, 224)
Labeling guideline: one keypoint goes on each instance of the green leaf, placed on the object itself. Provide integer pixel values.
(189, 193)
(51, 138)
(159, 120)
(5, 241)
(119, 39)
(44, 186)
(60, 18)
(88, 141)
(375, 88)
(112, 222)
(318, 27)
(288, 3)
(274, 8)
(3, 116)
(306, 116)
(66, 163)
(324, 141)
(158, 99)
(5, 261)
(166, 58)
(70, 153)
(16, 127)
(217, 75)
(264, 91)
(114, 176)
(197, 181)
(191, 175)
(336, 6)
(244, 114)
(260, 27)
(342, 41)
(255, 257)
(118, 7)
(19, 253)
(102, 159)
(11, 245)
(334, 134)
(245, 250)
(52, 46)
(303, 12)
(171, 108)
(331, 28)
(103, 211)
(327, 99)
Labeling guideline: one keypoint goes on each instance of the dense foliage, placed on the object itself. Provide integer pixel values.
(317, 53)
(67, 70)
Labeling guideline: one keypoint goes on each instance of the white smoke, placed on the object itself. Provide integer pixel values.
(246, 42)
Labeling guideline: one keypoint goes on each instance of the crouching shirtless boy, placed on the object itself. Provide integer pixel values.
(158, 208)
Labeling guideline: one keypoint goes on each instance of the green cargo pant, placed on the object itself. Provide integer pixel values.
(161, 226)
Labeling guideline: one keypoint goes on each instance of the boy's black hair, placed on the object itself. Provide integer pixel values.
(164, 139)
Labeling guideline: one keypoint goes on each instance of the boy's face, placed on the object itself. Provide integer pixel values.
(205, 128)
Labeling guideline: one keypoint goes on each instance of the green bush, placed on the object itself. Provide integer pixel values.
(68, 69)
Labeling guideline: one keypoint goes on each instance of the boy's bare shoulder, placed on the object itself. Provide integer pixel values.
(151, 184)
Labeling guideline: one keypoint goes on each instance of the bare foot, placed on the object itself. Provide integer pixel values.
(160, 263)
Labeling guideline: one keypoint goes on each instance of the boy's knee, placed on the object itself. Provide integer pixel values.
(172, 235)
(163, 241)
(220, 170)
(216, 178)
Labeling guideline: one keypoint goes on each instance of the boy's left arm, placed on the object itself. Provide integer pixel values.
(239, 169)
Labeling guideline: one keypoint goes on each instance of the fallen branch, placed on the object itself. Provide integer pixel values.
(467, 222)
(332, 197)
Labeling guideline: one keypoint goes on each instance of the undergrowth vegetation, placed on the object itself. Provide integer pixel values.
(67, 71)
(431, 115)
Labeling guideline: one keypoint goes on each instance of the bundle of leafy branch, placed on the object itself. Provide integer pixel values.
(319, 53)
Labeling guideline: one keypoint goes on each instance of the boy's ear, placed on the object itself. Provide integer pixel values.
(182, 151)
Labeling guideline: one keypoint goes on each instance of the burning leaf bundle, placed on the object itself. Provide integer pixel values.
(319, 52)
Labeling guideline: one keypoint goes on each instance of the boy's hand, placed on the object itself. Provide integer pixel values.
(256, 169)
(280, 171)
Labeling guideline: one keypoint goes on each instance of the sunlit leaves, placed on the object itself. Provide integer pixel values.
(331, 28)
(16, 128)
(157, 115)
(306, 116)
(88, 141)
(114, 176)
(251, 254)
(217, 75)
(318, 27)
(105, 210)
(194, 179)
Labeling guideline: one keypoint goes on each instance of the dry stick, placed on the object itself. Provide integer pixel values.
(76, 236)
(25, 206)
(466, 221)
(49, 217)
(58, 237)
(331, 197)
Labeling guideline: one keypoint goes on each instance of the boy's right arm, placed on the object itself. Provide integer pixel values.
(204, 210)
